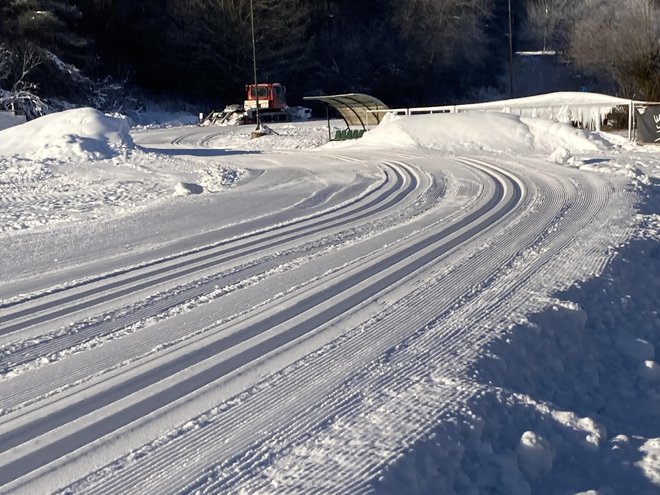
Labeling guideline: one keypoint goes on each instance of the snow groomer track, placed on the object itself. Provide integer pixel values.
(302, 349)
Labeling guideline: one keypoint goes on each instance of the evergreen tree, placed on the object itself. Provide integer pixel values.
(41, 45)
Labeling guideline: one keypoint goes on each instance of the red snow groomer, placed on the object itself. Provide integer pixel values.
(271, 98)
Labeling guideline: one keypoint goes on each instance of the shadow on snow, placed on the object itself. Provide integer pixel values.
(585, 360)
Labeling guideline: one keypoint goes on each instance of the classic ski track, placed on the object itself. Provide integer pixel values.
(109, 324)
(470, 226)
(187, 446)
(386, 186)
(336, 368)
(446, 362)
(28, 387)
(360, 216)
(322, 400)
(176, 266)
(180, 141)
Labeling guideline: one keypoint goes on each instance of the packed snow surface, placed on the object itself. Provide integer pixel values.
(455, 304)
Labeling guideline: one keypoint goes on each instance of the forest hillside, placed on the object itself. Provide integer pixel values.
(111, 53)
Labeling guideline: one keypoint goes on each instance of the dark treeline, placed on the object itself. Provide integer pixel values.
(406, 52)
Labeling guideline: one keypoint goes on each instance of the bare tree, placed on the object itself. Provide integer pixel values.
(15, 67)
(27, 59)
(549, 22)
(620, 40)
(444, 33)
(17, 63)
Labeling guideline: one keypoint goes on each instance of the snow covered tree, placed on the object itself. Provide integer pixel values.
(39, 36)
(44, 23)
(5, 63)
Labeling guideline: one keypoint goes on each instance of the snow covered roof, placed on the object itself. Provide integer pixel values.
(355, 108)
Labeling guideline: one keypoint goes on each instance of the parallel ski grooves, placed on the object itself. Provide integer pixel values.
(507, 194)
(182, 269)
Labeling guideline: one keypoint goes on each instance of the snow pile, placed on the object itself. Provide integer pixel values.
(216, 179)
(650, 463)
(481, 131)
(560, 156)
(80, 134)
(535, 455)
(576, 377)
(187, 188)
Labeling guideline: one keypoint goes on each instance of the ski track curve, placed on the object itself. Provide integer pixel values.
(132, 279)
(113, 322)
(30, 350)
(358, 286)
(298, 372)
(377, 382)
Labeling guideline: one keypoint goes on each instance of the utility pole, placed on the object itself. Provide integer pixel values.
(257, 132)
(545, 29)
(510, 53)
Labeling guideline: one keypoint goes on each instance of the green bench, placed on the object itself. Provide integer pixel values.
(345, 134)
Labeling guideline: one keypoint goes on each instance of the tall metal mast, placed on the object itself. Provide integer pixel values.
(254, 62)
(510, 53)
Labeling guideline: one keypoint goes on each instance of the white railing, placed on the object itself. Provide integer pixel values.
(592, 113)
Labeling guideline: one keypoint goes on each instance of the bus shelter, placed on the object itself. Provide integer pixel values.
(357, 109)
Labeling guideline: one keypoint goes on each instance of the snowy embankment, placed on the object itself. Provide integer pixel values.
(454, 304)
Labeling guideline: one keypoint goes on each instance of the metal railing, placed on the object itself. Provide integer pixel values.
(528, 107)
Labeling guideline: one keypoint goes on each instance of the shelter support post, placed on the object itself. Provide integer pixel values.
(631, 119)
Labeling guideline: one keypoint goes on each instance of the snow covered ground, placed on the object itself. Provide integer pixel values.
(453, 304)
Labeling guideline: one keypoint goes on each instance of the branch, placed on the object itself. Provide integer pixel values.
(30, 59)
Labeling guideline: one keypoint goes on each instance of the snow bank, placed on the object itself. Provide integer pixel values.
(481, 131)
(187, 188)
(535, 455)
(578, 375)
(79, 134)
